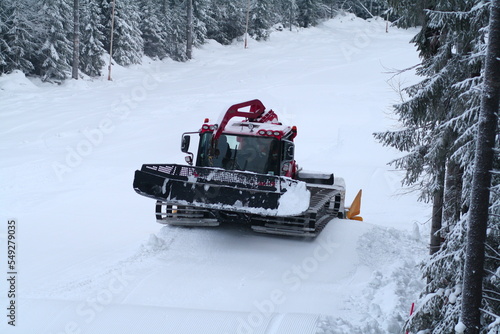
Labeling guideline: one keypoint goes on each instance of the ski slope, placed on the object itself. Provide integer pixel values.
(90, 256)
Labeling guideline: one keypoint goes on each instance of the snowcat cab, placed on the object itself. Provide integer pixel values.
(244, 172)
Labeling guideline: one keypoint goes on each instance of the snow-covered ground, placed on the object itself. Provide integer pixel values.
(90, 256)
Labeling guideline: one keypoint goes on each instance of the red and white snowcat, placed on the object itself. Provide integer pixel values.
(245, 172)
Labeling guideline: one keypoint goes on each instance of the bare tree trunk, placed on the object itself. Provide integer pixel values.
(76, 39)
(245, 45)
(478, 213)
(111, 39)
(189, 29)
(452, 193)
(437, 213)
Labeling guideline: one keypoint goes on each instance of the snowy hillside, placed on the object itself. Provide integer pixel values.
(92, 259)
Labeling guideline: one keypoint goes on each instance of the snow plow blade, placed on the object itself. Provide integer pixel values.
(219, 189)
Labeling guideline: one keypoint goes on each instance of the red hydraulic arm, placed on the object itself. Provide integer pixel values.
(256, 110)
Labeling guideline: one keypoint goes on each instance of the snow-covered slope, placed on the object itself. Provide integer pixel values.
(91, 258)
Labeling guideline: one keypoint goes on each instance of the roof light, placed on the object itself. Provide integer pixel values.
(269, 133)
(205, 127)
(277, 133)
(262, 132)
(206, 120)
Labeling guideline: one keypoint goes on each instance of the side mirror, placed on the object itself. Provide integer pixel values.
(186, 139)
(288, 151)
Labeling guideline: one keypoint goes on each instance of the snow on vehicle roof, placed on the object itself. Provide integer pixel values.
(252, 128)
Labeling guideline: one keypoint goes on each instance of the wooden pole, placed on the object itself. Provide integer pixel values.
(246, 25)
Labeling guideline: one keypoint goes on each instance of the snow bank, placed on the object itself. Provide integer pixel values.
(16, 82)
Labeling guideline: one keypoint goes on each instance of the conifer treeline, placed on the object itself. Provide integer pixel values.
(438, 133)
(36, 36)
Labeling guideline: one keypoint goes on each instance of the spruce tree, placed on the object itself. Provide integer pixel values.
(410, 13)
(166, 18)
(308, 12)
(200, 16)
(92, 47)
(262, 19)
(228, 20)
(481, 182)
(106, 9)
(56, 51)
(19, 41)
(151, 30)
(288, 11)
(4, 48)
(174, 18)
(128, 44)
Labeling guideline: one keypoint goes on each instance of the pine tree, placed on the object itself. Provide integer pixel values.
(208, 13)
(106, 9)
(228, 20)
(481, 182)
(92, 47)
(410, 13)
(491, 283)
(56, 50)
(151, 29)
(287, 13)
(4, 47)
(173, 16)
(261, 20)
(19, 41)
(200, 16)
(308, 12)
(128, 44)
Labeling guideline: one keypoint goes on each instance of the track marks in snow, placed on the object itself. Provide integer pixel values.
(380, 304)
(128, 272)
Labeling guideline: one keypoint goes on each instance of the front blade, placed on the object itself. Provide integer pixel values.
(220, 189)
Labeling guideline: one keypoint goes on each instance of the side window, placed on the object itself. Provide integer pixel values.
(274, 158)
(204, 146)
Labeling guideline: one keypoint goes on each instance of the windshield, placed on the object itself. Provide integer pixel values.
(249, 153)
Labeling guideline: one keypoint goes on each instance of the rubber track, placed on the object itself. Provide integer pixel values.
(309, 224)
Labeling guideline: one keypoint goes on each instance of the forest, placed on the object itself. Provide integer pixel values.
(39, 37)
(449, 133)
(441, 119)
